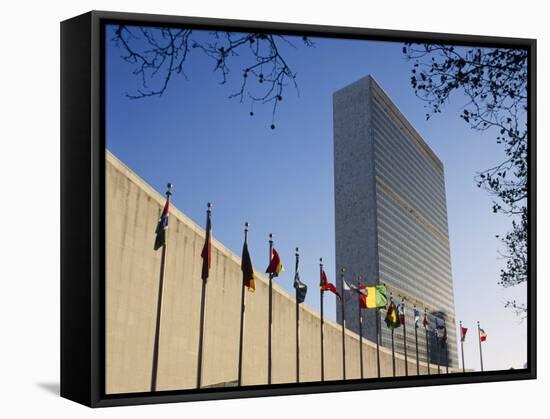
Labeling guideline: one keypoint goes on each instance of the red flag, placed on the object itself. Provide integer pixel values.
(275, 265)
(206, 253)
(363, 299)
(425, 321)
(363, 295)
(324, 281)
(401, 310)
(327, 286)
(463, 331)
(482, 335)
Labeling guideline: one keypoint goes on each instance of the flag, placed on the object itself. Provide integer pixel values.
(327, 286)
(206, 253)
(246, 268)
(363, 296)
(301, 288)
(347, 287)
(444, 337)
(160, 239)
(275, 265)
(376, 296)
(425, 322)
(392, 318)
(416, 318)
(401, 310)
(441, 334)
(482, 335)
(360, 290)
(463, 331)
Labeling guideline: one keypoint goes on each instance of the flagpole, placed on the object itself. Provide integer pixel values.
(154, 369)
(438, 355)
(342, 307)
(392, 341)
(321, 293)
(480, 350)
(157, 328)
(297, 323)
(446, 354)
(270, 315)
(405, 336)
(360, 331)
(241, 332)
(438, 346)
(416, 340)
(378, 341)
(427, 344)
(462, 347)
(201, 324)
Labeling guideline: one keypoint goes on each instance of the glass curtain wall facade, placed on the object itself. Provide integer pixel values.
(391, 219)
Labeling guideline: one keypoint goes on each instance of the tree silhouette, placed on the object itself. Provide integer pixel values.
(160, 54)
(494, 81)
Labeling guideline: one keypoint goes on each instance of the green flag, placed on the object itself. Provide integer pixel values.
(376, 297)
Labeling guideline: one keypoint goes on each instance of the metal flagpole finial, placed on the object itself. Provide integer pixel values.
(297, 252)
(271, 237)
(321, 262)
(342, 271)
(209, 206)
(246, 226)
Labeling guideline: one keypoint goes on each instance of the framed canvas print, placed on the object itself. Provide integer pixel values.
(254, 209)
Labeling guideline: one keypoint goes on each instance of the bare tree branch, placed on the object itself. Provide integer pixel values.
(160, 53)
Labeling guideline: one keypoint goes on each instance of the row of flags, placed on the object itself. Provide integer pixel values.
(482, 337)
(370, 297)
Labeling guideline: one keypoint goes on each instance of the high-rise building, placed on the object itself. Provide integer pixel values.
(391, 218)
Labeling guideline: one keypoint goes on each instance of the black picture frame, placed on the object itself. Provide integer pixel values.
(83, 214)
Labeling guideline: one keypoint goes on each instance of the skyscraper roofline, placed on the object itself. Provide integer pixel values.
(396, 113)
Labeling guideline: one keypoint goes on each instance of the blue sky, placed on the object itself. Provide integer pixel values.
(281, 180)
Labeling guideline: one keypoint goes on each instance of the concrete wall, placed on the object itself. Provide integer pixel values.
(132, 274)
